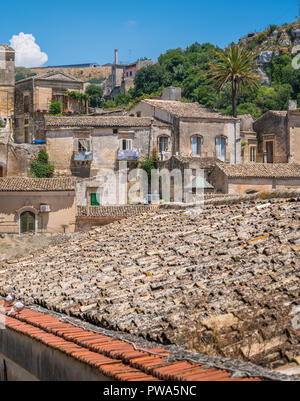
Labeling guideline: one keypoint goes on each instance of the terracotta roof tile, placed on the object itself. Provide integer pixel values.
(258, 170)
(187, 110)
(99, 122)
(39, 326)
(22, 184)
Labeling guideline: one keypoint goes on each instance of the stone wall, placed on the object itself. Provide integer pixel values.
(60, 219)
(7, 81)
(294, 136)
(270, 127)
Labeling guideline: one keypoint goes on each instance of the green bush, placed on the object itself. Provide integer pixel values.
(148, 165)
(55, 107)
(262, 37)
(41, 168)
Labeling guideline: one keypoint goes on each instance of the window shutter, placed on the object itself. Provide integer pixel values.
(95, 199)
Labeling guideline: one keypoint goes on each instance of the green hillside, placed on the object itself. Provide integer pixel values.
(189, 68)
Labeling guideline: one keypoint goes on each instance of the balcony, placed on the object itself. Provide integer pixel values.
(128, 155)
(83, 158)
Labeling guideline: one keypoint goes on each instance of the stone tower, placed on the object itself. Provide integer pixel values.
(7, 80)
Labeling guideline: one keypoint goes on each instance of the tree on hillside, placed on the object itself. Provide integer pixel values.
(236, 65)
(22, 73)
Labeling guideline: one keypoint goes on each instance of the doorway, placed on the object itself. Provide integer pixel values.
(27, 222)
(270, 151)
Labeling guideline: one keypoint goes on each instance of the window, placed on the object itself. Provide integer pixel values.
(26, 135)
(270, 151)
(163, 144)
(196, 145)
(95, 199)
(252, 154)
(26, 104)
(84, 145)
(221, 148)
(27, 222)
(126, 144)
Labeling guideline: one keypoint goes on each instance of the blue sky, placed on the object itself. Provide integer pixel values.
(80, 31)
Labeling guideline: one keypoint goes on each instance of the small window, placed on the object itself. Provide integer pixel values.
(115, 131)
(139, 114)
(163, 144)
(83, 145)
(26, 104)
(126, 144)
(196, 145)
(221, 148)
(95, 199)
(253, 154)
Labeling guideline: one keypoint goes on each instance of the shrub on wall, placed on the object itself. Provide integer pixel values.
(41, 168)
(55, 107)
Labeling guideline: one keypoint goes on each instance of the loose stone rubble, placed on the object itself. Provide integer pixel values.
(222, 282)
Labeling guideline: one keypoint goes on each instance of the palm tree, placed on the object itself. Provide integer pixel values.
(236, 65)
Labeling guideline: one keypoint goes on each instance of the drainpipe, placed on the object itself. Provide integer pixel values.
(235, 152)
(150, 137)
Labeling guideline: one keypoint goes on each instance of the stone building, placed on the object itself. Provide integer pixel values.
(248, 139)
(196, 131)
(37, 205)
(278, 134)
(130, 71)
(86, 146)
(255, 177)
(33, 98)
(7, 81)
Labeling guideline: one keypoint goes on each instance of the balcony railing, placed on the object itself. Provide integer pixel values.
(83, 157)
(128, 155)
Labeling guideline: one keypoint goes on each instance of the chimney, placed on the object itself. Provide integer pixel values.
(172, 93)
(116, 56)
(293, 105)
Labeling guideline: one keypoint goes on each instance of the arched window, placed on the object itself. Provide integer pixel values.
(197, 142)
(221, 143)
(27, 222)
(163, 144)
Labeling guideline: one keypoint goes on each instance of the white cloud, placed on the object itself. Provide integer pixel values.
(28, 52)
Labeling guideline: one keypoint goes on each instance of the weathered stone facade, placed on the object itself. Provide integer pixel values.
(103, 137)
(255, 177)
(19, 196)
(7, 81)
(33, 98)
(273, 137)
(218, 135)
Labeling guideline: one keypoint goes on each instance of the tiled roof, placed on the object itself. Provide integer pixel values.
(113, 211)
(203, 162)
(22, 184)
(116, 359)
(188, 110)
(97, 121)
(52, 76)
(259, 170)
(227, 274)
